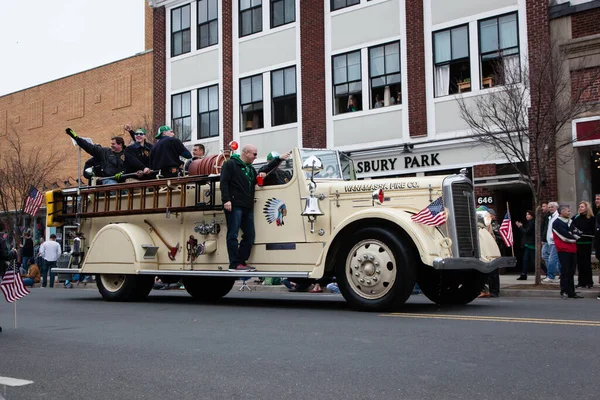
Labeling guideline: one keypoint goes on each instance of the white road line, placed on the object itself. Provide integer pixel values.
(6, 381)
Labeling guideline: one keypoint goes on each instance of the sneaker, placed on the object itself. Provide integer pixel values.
(550, 280)
(484, 295)
(576, 296)
(598, 296)
(243, 268)
(522, 278)
(564, 296)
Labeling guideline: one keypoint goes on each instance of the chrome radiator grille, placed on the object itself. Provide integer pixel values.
(459, 199)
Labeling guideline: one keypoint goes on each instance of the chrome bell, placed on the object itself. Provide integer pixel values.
(311, 208)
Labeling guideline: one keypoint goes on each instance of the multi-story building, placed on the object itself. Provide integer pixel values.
(380, 79)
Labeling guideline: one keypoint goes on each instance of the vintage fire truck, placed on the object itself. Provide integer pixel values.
(322, 222)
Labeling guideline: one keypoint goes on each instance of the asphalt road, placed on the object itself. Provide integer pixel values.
(73, 345)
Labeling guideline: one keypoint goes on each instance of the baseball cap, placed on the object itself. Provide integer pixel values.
(272, 155)
(162, 130)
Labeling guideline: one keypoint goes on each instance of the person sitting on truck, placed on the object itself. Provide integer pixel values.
(165, 154)
(198, 152)
(238, 181)
(137, 154)
(275, 175)
(110, 158)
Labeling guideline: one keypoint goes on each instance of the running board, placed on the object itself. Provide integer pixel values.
(224, 273)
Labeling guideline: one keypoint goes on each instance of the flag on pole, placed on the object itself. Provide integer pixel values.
(34, 201)
(12, 285)
(505, 231)
(432, 215)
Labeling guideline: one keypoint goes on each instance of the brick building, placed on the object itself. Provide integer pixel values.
(95, 103)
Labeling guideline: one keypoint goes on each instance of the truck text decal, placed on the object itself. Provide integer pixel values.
(369, 187)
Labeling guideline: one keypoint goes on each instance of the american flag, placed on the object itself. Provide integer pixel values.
(34, 201)
(506, 231)
(432, 215)
(12, 285)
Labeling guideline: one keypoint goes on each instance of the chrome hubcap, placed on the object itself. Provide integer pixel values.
(371, 269)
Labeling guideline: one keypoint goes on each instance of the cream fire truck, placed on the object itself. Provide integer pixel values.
(323, 222)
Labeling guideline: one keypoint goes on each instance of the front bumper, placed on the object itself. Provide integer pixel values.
(474, 263)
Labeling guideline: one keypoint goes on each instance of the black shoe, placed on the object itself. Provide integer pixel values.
(576, 296)
(522, 278)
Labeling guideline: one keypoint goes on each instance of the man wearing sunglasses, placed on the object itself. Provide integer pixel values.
(137, 154)
(238, 181)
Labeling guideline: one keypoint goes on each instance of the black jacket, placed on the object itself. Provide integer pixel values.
(238, 182)
(166, 152)
(110, 162)
(137, 157)
(528, 231)
(585, 225)
(5, 256)
(544, 228)
(27, 248)
(275, 176)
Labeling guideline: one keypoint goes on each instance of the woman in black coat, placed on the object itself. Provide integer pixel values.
(528, 232)
(585, 222)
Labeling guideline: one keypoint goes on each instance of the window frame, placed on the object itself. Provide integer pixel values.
(262, 100)
(272, 13)
(208, 23)
(352, 3)
(385, 73)
(180, 133)
(347, 82)
(209, 112)
(251, 10)
(284, 96)
(499, 50)
(452, 60)
(188, 29)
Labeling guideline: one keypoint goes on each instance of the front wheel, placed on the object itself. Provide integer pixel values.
(123, 287)
(377, 273)
(207, 288)
(451, 287)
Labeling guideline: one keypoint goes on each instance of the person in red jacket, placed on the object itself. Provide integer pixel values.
(565, 236)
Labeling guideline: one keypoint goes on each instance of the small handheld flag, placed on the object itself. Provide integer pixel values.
(505, 231)
(12, 286)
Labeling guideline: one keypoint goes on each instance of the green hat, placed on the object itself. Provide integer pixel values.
(162, 130)
(272, 155)
(140, 130)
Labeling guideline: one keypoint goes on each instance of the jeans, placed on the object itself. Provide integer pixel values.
(567, 284)
(25, 263)
(333, 288)
(108, 181)
(528, 260)
(239, 218)
(27, 281)
(47, 266)
(550, 256)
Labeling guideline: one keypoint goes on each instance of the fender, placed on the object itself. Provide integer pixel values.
(429, 242)
(117, 249)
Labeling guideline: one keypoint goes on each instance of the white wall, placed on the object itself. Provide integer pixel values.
(195, 70)
(445, 10)
(368, 128)
(280, 141)
(263, 51)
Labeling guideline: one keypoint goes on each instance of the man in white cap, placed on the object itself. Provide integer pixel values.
(165, 154)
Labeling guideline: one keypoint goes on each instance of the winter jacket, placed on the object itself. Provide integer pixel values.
(275, 175)
(137, 157)
(166, 152)
(585, 225)
(110, 162)
(238, 181)
(564, 236)
(28, 247)
(528, 232)
(544, 227)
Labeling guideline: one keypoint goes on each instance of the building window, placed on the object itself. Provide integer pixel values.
(283, 88)
(452, 70)
(180, 31)
(181, 116)
(208, 112)
(337, 4)
(250, 17)
(499, 50)
(251, 103)
(208, 26)
(347, 91)
(384, 71)
(282, 12)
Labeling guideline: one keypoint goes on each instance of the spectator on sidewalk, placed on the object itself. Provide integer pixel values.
(33, 275)
(565, 238)
(528, 231)
(585, 222)
(597, 233)
(26, 251)
(549, 253)
(50, 252)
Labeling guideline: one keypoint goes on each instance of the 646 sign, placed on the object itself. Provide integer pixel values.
(485, 200)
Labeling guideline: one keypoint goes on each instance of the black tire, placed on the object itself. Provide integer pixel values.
(386, 276)
(121, 287)
(207, 288)
(450, 287)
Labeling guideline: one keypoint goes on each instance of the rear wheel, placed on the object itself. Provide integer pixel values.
(375, 270)
(207, 288)
(451, 287)
(124, 287)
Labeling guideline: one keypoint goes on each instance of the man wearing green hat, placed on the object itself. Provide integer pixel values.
(165, 154)
(137, 154)
(275, 175)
